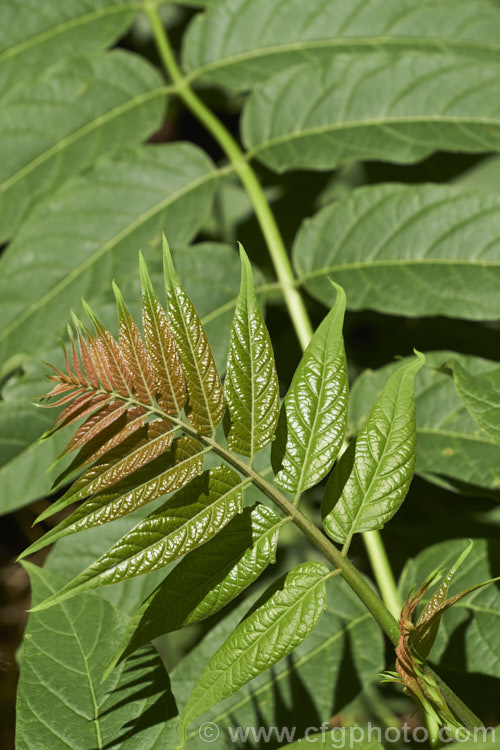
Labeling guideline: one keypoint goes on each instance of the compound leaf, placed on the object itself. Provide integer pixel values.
(313, 416)
(279, 622)
(373, 476)
(206, 579)
(188, 519)
(251, 385)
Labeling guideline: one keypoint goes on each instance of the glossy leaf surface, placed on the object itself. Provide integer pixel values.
(450, 444)
(373, 476)
(206, 404)
(251, 385)
(314, 412)
(270, 632)
(207, 579)
(188, 519)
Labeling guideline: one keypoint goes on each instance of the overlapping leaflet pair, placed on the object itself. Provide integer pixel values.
(151, 404)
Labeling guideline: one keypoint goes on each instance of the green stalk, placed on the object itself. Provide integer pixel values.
(304, 331)
(277, 250)
(382, 571)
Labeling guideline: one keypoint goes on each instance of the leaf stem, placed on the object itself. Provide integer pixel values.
(298, 314)
(382, 571)
(244, 171)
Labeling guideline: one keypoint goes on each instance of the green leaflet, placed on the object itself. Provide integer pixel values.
(109, 214)
(467, 640)
(279, 622)
(61, 121)
(313, 416)
(61, 702)
(451, 448)
(251, 385)
(240, 43)
(407, 250)
(373, 476)
(169, 472)
(35, 34)
(481, 397)
(398, 109)
(313, 678)
(188, 519)
(205, 580)
(206, 405)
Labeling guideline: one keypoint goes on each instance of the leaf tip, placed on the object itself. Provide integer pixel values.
(168, 265)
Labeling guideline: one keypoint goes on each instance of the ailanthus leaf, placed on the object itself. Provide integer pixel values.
(205, 406)
(188, 519)
(313, 416)
(98, 422)
(251, 385)
(287, 614)
(114, 496)
(206, 579)
(373, 476)
(126, 428)
(161, 347)
(112, 355)
(134, 352)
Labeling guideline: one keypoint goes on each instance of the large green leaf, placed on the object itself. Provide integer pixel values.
(206, 405)
(373, 476)
(323, 674)
(313, 416)
(61, 700)
(319, 116)
(251, 385)
(449, 441)
(281, 621)
(407, 250)
(58, 123)
(188, 519)
(90, 231)
(35, 34)
(207, 579)
(242, 42)
(468, 636)
(481, 397)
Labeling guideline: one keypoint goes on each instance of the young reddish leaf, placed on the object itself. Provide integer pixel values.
(205, 406)
(95, 424)
(117, 367)
(188, 519)
(162, 349)
(161, 476)
(135, 354)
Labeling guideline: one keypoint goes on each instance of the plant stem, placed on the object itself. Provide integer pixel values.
(293, 299)
(304, 331)
(382, 571)
(270, 230)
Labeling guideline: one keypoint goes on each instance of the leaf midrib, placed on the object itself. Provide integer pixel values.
(106, 247)
(63, 27)
(94, 124)
(269, 143)
(423, 43)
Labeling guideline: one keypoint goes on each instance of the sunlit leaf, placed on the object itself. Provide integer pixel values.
(373, 476)
(314, 413)
(251, 385)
